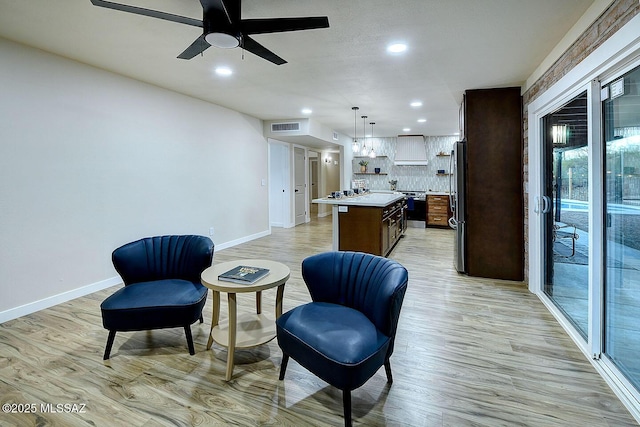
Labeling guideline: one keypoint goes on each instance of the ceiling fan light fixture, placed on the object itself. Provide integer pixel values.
(222, 40)
(222, 26)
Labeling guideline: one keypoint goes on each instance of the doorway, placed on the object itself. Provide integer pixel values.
(299, 178)
(588, 220)
(279, 185)
(313, 180)
(565, 210)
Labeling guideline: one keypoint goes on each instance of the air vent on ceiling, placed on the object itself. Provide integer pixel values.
(285, 127)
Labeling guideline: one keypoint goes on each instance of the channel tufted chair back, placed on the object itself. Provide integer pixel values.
(163, 257)
(367, 283)
(347, 333)
(162, 285)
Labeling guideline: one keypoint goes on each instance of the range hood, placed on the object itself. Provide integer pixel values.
(411, 150)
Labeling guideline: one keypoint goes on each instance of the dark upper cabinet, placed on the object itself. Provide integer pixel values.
(494, 203)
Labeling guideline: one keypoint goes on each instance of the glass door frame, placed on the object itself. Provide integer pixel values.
(607, 365)
(611, 59)
(591, 347)
(595, 184)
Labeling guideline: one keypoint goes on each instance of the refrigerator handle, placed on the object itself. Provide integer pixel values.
(452, 223)
(451, 172)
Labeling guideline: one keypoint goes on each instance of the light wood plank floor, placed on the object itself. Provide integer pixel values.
(469, 352)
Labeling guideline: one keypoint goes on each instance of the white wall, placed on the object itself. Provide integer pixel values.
(90, 160)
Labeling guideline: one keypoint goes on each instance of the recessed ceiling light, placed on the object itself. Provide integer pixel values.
(396, 48)
(416, 104)
(307, 111)
(422, 120)
(224, 71)
(406, 130)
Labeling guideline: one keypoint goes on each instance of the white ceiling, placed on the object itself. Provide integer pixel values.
(453, 45)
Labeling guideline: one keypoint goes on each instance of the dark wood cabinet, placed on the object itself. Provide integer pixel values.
(374, 230)
(494, 203)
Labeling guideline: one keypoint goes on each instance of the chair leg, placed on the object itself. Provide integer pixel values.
(107, 350)
(187, 332)
(346, 402)
(387, 368)
(283, 366)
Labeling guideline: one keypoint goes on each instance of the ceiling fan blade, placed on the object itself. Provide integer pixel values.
(216, 6)
(233, 8)
(197, 47)
(148, 12)
(257, 49)
(279, 25)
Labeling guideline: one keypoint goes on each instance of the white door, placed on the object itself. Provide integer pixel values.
(299, 186)
(279, 185)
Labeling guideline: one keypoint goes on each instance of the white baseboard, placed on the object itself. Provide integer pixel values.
(236, 242)
(32, 307)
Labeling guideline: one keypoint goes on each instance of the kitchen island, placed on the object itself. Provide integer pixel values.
(372, 223)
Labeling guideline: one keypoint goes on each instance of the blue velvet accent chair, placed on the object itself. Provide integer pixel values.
(348, 330)
(162, 286)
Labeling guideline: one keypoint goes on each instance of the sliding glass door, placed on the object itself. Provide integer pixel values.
(583, 140)
(565, 208)
(621, 110)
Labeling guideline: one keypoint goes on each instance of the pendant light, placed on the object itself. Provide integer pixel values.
(372, 153)
(355, 146)
(364, 137)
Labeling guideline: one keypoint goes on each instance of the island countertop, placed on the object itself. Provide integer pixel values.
(370, 199)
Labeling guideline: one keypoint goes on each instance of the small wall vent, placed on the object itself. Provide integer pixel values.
(335, 136)
(285, 127)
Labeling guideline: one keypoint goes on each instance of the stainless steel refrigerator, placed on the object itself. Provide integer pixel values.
(457, 198)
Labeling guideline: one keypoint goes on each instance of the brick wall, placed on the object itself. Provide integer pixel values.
(611, 20)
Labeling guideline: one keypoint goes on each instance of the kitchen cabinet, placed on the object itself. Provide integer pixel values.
(438, 210)
(494, 205)
(372, 229)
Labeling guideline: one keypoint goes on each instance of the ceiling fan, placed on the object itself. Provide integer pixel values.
(223, 27)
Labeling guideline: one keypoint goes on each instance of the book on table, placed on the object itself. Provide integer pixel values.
(244, 274)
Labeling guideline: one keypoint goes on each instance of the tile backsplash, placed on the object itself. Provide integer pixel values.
(417, 178)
